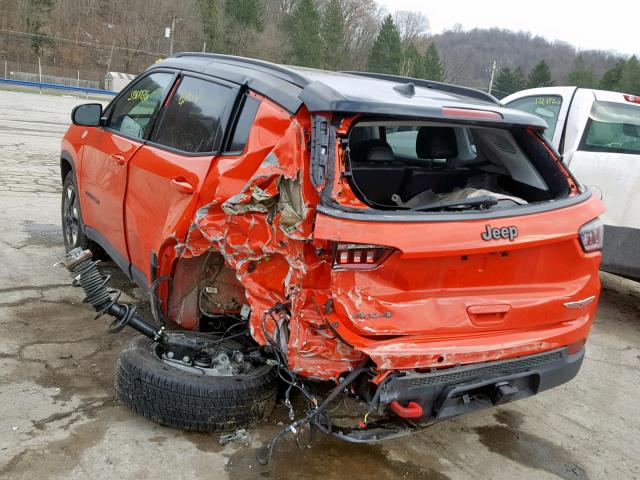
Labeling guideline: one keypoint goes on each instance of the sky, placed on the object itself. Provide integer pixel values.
(584, 24)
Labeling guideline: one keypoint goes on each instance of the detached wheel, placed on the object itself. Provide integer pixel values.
(222, 396)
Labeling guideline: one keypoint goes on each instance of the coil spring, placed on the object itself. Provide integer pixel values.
(94, 285)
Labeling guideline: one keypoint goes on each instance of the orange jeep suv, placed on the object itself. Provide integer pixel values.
(414, 243)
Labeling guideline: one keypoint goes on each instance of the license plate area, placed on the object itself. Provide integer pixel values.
(468, 397)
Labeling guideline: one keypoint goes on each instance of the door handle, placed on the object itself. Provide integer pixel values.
(118, 159)
(488, 315)
(182, 185)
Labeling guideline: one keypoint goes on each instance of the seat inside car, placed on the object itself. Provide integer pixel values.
(379, 174)
(373, 167)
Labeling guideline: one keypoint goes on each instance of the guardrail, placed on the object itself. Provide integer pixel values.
(55, 86)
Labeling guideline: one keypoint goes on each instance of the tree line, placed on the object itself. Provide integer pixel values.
(624, 76)
(128, 35)
(322, 34)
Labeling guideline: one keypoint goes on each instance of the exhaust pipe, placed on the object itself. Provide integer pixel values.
(85, 274)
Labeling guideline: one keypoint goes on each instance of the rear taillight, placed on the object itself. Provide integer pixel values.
(469, 113)
(358, 256)
(632, 98)
(591, 235)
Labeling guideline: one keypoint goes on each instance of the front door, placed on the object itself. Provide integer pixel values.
(107, 154)
(607, 157)
(166, 174)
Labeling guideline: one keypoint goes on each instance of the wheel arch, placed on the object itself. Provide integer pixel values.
(66, 165)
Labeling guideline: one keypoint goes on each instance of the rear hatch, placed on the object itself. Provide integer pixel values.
(437, 239)
(442, 278)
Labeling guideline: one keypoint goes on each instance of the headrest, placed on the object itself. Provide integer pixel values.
(372, 150)
(436, 142)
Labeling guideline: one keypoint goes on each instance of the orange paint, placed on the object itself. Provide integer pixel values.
(443, 297)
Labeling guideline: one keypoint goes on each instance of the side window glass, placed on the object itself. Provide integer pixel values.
(402, 140)
(191, 121)
(244, 124)
(133, 112)
(547, 107)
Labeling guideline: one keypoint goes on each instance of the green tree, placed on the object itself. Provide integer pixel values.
(520, 81)
(612, 77)
(540, 76)
(630, 80)
(412, 62)
(247, 13)
(38, 11)
(333, 35)
(581, 75)
(433, 69)
(386, 53)
(212, 21)
(507, 82)
(303, 27)
(243, 19)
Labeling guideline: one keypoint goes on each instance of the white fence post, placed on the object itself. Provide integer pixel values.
(40, 72)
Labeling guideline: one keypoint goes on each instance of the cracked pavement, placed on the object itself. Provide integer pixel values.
(59, 417)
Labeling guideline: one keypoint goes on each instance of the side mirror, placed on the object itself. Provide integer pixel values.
(87, 115)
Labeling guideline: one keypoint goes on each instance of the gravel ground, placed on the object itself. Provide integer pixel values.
(59, 418)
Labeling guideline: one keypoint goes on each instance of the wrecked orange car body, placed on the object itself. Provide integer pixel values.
(417, 228)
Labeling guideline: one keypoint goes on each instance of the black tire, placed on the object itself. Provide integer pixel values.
(73, 232)
(180, 399)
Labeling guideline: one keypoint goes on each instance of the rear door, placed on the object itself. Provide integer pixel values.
(108, 151)
(166, 174)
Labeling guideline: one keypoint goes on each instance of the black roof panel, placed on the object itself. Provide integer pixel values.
(352, 92)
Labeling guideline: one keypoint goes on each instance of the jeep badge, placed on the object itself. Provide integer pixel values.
(492, 233)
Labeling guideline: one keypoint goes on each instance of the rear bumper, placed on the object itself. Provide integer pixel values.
(454, 391)
(621, 252)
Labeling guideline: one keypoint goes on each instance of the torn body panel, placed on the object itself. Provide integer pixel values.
(435, 301)
(256, 212)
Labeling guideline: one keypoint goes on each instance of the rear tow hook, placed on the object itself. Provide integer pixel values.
(85, 274)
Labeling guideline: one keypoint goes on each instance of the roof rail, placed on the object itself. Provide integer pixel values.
(281, 70)
(443, 87)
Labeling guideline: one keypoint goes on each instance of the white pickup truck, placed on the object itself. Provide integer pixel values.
(598, 135)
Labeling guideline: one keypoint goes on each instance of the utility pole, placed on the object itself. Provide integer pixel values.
(173, 30)
(493, 73)
(113, 45)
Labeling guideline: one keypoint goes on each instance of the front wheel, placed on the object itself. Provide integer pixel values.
(72, 226)
(204, 399)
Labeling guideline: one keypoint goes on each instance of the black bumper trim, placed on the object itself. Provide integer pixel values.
(451, 392)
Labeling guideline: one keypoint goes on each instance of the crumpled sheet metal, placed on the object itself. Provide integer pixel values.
(257, 211)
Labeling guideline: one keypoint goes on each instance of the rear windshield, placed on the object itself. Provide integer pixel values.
(547, 107)
(394, 165)
(612, 127)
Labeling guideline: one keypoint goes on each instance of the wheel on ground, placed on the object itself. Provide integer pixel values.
(217, 393)
(72, 225)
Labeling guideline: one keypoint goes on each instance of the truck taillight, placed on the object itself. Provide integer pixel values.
(632, 98)
(591, 235)
(358, 256)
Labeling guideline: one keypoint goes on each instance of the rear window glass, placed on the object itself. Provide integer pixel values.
(191, 121)
(547, 107)
(612, 127)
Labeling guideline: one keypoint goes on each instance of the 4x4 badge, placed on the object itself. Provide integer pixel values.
(492, 233)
